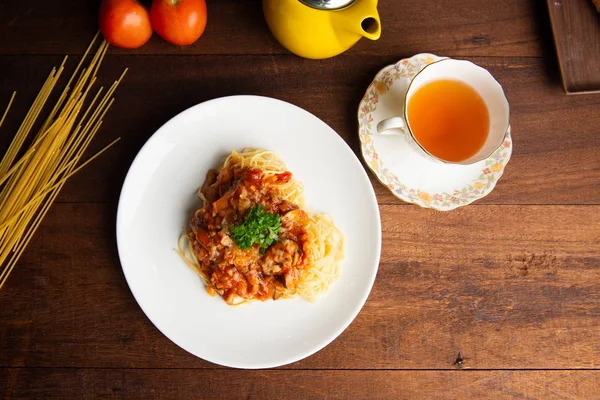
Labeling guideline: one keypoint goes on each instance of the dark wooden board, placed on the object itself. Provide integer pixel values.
(556, 159)
(285, 385)
(509, 287)
(461, 27)
(576, 27)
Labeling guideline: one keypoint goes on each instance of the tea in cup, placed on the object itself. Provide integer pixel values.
(454, 112)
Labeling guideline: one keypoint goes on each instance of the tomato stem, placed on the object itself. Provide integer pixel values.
(175, 2)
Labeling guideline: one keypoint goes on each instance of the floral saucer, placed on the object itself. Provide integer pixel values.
(406, 172)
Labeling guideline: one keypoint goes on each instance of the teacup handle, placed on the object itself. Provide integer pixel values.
(385, 127)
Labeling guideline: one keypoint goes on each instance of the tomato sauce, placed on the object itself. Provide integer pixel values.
(234, 273)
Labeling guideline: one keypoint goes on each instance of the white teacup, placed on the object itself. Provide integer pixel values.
(481, 81)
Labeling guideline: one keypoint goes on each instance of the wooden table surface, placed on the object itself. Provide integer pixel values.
(500, 299)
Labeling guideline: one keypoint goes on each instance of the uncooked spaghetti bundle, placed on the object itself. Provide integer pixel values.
(37, 163)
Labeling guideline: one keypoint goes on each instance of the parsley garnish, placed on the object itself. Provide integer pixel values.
(260, 227)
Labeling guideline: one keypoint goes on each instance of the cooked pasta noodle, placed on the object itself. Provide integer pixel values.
(271, 164)
(322, 246)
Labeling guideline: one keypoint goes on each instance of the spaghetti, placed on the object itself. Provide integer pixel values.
(31, 182)
(254, 190)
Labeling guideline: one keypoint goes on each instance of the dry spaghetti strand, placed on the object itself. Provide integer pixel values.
(30, 183)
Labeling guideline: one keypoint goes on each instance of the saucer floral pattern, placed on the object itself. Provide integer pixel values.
(480, 186)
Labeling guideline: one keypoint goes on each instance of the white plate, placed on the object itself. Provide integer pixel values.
(159, 198)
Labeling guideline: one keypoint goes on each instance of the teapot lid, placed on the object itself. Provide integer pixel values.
(327, 4)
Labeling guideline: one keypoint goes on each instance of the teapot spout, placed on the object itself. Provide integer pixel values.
(371, 27)
(361, 18)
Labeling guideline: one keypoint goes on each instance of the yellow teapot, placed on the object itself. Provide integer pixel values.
(321, 28)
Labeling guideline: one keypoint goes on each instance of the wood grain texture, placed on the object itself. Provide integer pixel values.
(332, 385)
(510, 283)
(509, 287)
(457, 27)
(576, 28)
(556, 159)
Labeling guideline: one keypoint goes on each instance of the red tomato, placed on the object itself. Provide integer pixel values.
(124, 23)
(179, 22)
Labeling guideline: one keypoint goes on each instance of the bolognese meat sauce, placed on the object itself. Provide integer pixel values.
(250, 273)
